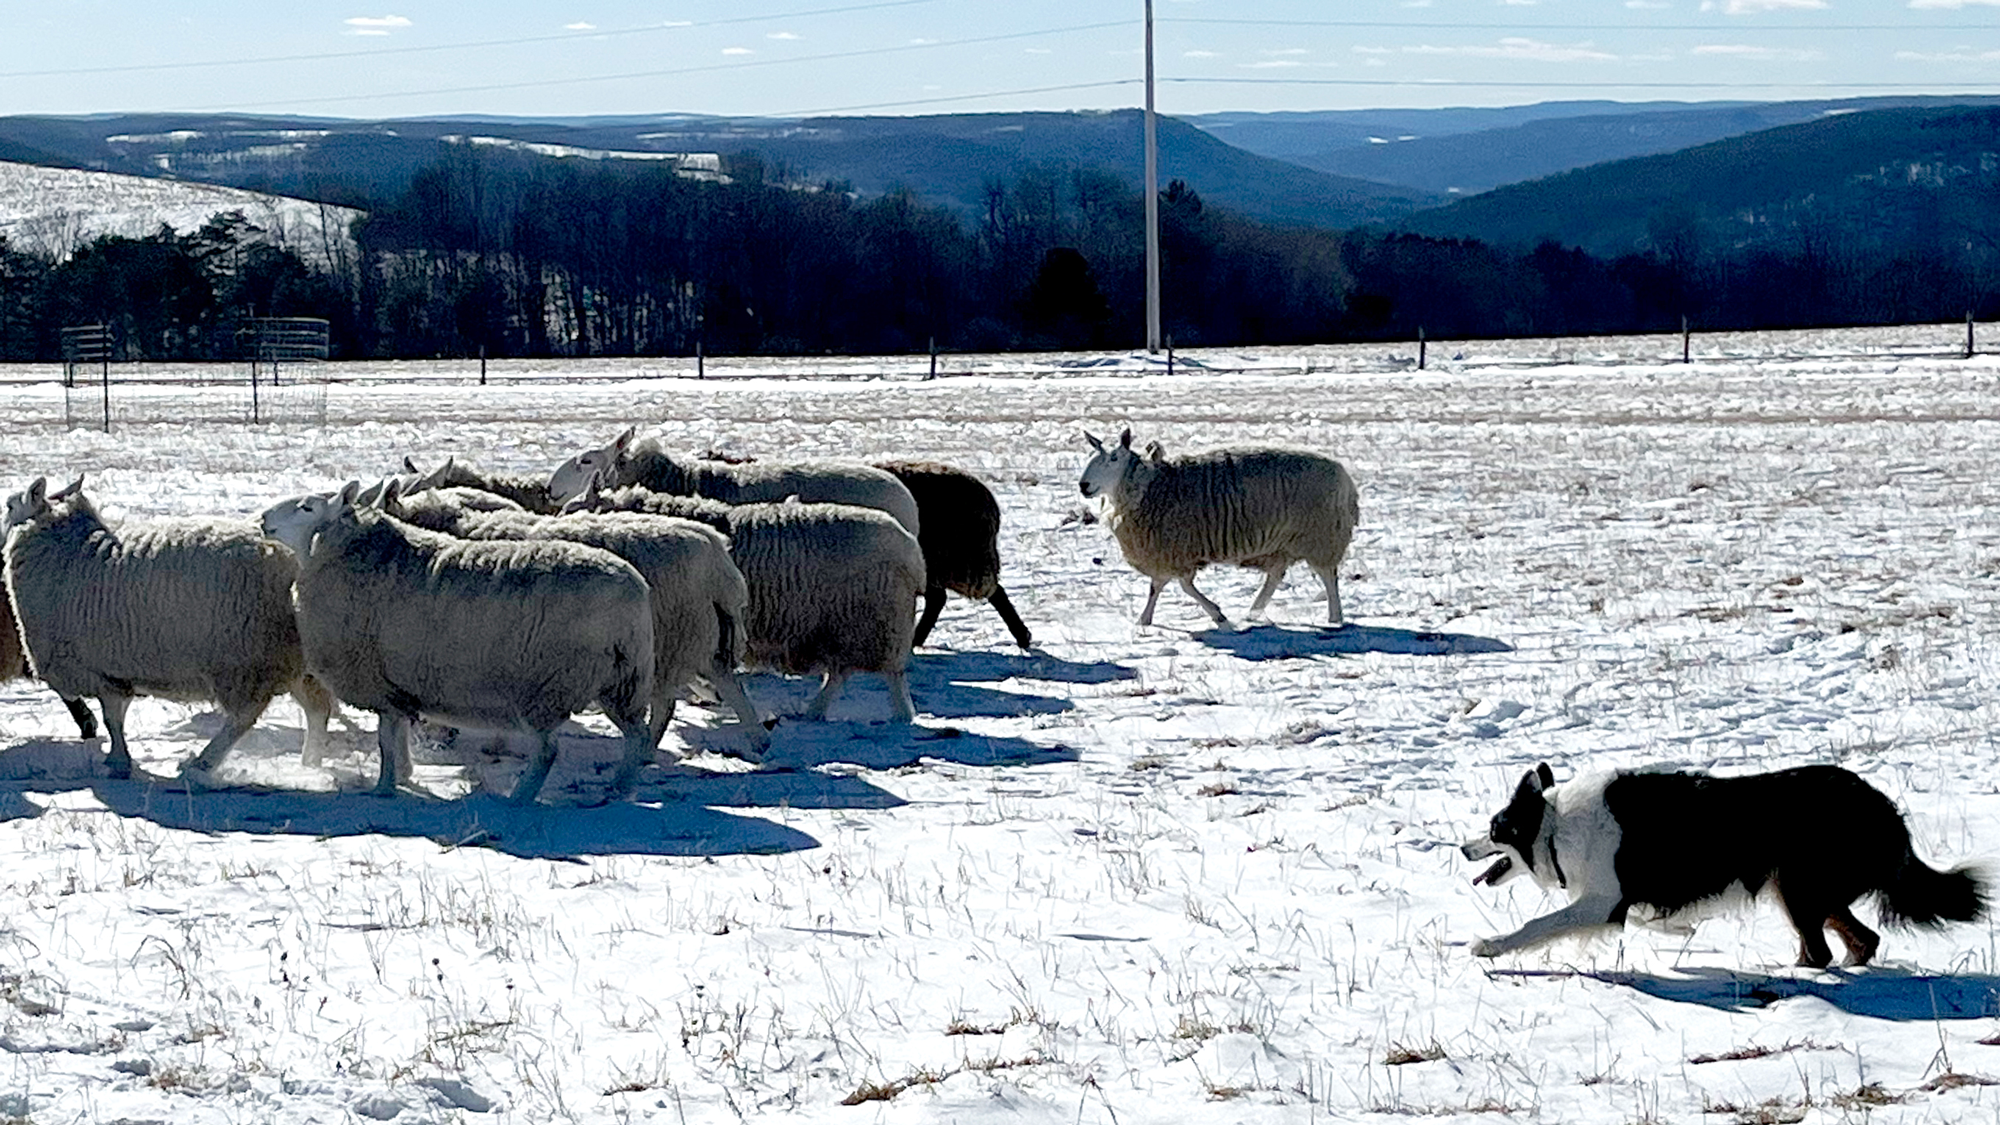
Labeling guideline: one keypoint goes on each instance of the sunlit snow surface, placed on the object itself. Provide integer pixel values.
(1142, 875)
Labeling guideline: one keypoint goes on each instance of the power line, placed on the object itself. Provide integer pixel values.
(476, 44)
(676, 72)
(957, 98)
(1455, 83)
(1414, 25)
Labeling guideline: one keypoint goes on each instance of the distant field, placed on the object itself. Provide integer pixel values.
(1140, 876)
(52, 210)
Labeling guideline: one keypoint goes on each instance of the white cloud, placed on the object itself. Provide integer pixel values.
(1757, 54)
(785, 36)
(738, 51)
(1950, 5)
(1271, 64)
(1199, 55)
(1289, 51)
(1647, 5)
(376, 25)
(1417, 3)
(580, 25)
(1519, 3)
(1531, 50)
(1961, 55)
(1037, 51)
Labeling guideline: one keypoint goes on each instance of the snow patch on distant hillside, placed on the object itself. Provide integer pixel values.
(55, 210)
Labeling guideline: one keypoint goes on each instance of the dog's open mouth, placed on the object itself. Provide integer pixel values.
(1500, 867)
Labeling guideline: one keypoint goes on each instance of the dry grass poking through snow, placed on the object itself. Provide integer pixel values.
(1162, 875)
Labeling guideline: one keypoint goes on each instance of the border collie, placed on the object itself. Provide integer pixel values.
(1819, 836)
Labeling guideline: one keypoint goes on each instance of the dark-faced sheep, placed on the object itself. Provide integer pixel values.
(646, 465)
(960, 535)
(1254, 506)
(508, 636)
(184, 610)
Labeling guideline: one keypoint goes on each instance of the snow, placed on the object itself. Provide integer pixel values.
(1141, 875)
(54, 210)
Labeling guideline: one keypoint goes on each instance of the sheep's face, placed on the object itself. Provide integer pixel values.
(25, 505)
(1108, 466)
(295, 522)
(573, 476)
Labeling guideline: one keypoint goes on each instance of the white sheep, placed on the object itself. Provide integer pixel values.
(513, 636)
(833, 587)
(186, 610)
(648, 466)
(520, 493)
(1258, 507)
(698, 596)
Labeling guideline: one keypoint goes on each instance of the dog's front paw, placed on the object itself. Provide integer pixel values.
(1487, 947)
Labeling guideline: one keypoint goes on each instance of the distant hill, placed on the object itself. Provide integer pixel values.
(1890, 177)
(52, 210)
(946, 159)
(1467, 151)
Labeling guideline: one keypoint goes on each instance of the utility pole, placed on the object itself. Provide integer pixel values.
(1152, 201)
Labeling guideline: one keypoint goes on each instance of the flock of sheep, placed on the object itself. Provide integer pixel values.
(623, 580)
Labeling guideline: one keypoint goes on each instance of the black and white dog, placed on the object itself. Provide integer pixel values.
(1819, 836)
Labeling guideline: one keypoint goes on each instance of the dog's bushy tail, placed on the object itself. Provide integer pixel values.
(1921, 895)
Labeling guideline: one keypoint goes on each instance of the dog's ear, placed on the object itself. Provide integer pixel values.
(1546, 775)
(1531, 786)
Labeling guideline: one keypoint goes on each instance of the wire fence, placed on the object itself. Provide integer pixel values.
(295, 392)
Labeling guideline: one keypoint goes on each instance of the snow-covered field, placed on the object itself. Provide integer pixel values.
(1159, 875)
(54, 210)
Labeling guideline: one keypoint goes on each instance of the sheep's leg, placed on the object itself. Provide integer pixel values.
(86, 723)
(118, 761)
(1152, 599)
(729, 687)
(236, 724)
(660, 710)
(1214, 611)
(317, 702)
(1272, 577)
(639, 746)
(539, 764)
(1329, 577)
(899, 696)
(392, 739)
(933, 605)
(1013, 620)
(828, 688)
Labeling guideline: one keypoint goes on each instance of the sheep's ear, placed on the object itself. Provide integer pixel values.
(1125, 439)
(69, 490)
(38, 491)
(433, 479)
(1154, 453)
(370, 497)
(392, 491)
(1092, 439)
(345, 497)
(410, 466)
(623, 440)
(1545, 775)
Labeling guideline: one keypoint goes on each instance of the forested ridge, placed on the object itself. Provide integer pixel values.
(511, 254)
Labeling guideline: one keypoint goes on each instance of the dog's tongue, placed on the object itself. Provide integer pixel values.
(1498, 869)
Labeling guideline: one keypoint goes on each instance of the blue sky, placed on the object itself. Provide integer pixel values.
(387, 59)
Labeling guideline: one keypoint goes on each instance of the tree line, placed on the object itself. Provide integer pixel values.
(508, 254)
